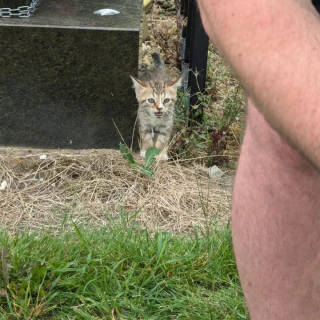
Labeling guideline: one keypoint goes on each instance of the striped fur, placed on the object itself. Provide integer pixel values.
(156, 97)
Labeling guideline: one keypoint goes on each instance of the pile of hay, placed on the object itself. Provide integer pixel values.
(81, 186)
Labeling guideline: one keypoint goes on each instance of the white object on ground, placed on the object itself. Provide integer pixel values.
(145, 47)
(215, 172)
(3, 185)
(106, 12)
(43, 157)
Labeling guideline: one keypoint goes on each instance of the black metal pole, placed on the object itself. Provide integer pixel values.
(196, 54)
(189, 29)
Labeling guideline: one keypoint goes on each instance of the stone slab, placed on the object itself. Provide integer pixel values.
(13, 4)
(64, 75)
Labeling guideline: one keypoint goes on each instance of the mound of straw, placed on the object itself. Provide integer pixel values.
(82, 186)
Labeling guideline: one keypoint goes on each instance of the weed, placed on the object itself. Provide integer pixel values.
(147, 168)
(221, 106)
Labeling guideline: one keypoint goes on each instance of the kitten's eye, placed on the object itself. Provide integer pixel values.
(151, 100)
(167, 100)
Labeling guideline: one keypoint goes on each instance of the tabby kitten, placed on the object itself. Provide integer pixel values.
(156, 97)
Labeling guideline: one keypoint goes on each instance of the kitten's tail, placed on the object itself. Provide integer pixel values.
(158, 63)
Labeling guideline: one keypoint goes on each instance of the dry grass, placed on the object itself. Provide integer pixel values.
(86, 184)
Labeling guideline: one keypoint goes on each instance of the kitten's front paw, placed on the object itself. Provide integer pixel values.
(165, 157)
(143, 154)
(162, 156)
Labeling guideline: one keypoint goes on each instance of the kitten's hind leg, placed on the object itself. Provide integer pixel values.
(146, 140)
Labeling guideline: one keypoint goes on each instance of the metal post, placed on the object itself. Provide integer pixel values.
(196, 55)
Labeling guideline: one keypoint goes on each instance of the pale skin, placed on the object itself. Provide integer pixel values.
(274, 46)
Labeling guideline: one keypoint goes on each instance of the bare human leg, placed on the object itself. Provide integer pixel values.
(276, 226)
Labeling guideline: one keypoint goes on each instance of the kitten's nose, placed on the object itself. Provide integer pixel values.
(159, 107)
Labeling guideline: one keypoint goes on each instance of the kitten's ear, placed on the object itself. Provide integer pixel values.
(175, 82)
(138, 83)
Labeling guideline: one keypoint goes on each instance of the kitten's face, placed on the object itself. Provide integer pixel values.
(157, 97)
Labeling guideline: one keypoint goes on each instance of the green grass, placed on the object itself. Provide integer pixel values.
(121, 272)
